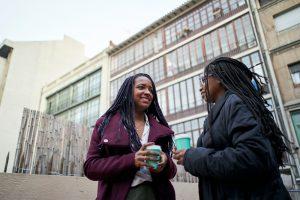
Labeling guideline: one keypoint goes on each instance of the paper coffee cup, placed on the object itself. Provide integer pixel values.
(156, 149)
(182, 141)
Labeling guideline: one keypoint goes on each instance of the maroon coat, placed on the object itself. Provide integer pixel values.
(113, 167)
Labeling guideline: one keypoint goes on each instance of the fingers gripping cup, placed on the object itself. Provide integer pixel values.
(155, 149)
(182, 141)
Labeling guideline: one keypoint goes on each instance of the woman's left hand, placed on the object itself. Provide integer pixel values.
(162, 163)
(179, 155)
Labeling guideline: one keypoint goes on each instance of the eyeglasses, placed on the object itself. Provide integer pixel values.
(203, 78)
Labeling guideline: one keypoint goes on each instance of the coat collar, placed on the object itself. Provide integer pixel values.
(116, 134)
(218, 106)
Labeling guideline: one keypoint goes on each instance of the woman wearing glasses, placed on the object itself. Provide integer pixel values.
(241, 148)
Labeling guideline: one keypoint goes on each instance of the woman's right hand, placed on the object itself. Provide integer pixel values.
(141, 155)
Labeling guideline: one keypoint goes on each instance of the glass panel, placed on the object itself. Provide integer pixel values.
(249, 31)
(201, 121)
(171, 60)
(180, 59)
(255, 61)
(208, 47)
(171, 100)
(163, 102)
(95, 84)
(195, 137)
(195, 124)
(199, 50)
(203, 16)
(197, 91)
(197, 19)
(177, 98)
(183, 95)
(193, 54)
(186, 56)
(187, 126)
(92, 112)
(296, 123)
(180, 128)
(225, 7)
(231, 37)
(224, 40)
(63, 99)
(190, 90)
(246, 61)
(240, 33)
(51, 104)
(215, 43)
(79, 91)
(161, 68)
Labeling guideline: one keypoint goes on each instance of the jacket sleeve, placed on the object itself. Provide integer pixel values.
(100, 168)
(248, 156)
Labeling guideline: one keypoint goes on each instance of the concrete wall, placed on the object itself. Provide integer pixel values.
(274, 38)
(31, 65)
(290, 94)
(3, 72)
(287, 54)
(39, 187)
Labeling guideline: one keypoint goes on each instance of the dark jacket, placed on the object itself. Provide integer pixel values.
(113, 166)
(235, 161)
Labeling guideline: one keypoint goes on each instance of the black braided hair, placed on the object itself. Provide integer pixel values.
(124, 104)
(236, 77)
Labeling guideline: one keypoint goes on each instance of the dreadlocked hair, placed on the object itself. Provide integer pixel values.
(124, 104)
(236, 77)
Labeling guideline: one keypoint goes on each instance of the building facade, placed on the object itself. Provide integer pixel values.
(25, 67)
(279, 22)
(79, 96)
(174, 50)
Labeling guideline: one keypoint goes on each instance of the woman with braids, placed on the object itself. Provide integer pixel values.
(117, 154)
(241, 148)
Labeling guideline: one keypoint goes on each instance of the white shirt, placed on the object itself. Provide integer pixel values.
(143, 174)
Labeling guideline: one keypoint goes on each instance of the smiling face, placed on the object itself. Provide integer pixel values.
(142, 93)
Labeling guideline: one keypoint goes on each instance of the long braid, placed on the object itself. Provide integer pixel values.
(236, 77)
(125, 105)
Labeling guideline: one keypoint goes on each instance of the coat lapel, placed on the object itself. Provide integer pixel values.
(157, 130)
(115, 133)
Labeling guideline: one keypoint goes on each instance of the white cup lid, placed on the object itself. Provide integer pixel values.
(181, 136)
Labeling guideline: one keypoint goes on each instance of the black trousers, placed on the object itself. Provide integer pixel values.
(144, 191)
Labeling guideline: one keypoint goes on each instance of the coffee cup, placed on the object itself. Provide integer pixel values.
(156, 149)
(182, 141)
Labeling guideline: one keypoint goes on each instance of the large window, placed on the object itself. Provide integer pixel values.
(287, 19)
(155, 69)
(80, 91)
(79, 102)
(295, 73)
(296, 123)
(238, 33)
(232, 37)
(205, 15)
(254, 62)
(200, 18)
(138, 51)
(181, 96)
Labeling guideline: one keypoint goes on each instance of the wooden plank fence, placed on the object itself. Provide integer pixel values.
(47, 145)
